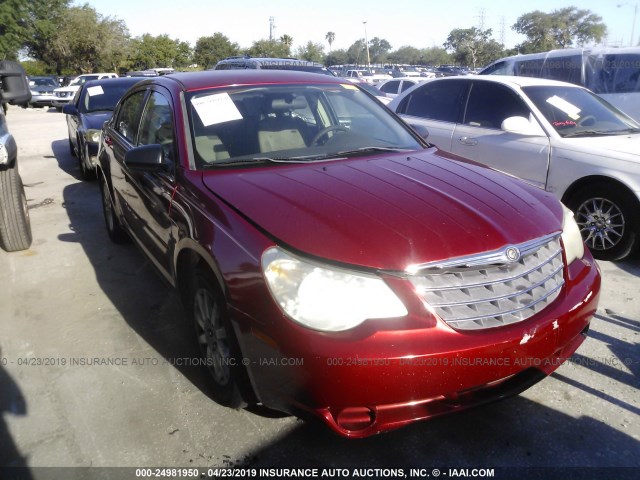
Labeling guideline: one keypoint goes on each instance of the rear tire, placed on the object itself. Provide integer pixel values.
(15, 225)
(605, 215)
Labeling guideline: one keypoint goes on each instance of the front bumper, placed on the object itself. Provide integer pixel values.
(378, 378)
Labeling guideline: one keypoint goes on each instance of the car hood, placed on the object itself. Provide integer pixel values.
(625, 147)
(95, 120)
(67, 89)
(388, 212)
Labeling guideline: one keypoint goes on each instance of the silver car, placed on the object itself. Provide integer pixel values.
(555, 135)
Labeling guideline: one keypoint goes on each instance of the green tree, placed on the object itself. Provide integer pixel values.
(113, 44)
(40, 25)
(378, 50)
(269, 48)
(434, 56)
(287, 40)
(312, 52)
(74, 45)
(356, 53)
(405, 55)
(336, 57)
(472, 46)
(161, 51)
(210, 50)
(330, 37)
(13, 15)
(561, 28)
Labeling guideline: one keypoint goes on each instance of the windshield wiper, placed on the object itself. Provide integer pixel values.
(591, 133)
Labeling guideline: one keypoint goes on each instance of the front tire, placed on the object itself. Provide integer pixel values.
(87, 173)
(115, 231)
(15, 225)
(605, 216)
(217, 340)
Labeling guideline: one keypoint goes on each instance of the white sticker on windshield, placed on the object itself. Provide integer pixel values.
(571, 110)
(93, 91)
(218, 108)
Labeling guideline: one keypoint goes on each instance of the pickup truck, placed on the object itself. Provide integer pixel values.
(15, 228)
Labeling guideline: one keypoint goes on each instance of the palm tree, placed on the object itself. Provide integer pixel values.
(287, 40)
(330, 37)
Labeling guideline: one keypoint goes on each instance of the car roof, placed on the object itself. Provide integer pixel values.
(113, 81)
(507, 80)
(189, 81)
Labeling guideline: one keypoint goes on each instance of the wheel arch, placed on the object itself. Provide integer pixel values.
(188, 259)
(593, 179)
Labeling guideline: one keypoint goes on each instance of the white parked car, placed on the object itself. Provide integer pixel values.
(64, 95)
(555, 135)
(396, 86)
(366, 76)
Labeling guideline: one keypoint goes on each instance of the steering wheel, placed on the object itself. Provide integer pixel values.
(324, 131)
(586, 119)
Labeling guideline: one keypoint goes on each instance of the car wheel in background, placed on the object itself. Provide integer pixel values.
(15, 226)
(116, 233)
(217, 341)
(72, 150)
(605, 214)
(88, 173)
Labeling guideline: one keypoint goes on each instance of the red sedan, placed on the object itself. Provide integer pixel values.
(333, 264)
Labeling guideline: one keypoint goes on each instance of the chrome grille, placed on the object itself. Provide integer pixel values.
(491, 289)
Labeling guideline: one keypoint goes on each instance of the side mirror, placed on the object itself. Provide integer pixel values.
(70, 109)
(148, 158)
(521, 126)
(14, 87)
(420, 130)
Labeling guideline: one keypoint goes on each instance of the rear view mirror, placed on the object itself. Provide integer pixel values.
(14, 88)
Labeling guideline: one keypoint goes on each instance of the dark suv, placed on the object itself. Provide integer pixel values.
(15, 229)
(246, 62)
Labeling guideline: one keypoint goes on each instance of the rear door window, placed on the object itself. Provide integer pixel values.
(439, 100)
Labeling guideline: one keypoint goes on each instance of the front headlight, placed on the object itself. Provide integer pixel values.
(571, 237)
(327, 298)
(92, 136)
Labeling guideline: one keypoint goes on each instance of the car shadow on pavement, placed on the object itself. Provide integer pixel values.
(148, 305)
(12, 402)
(516, 432)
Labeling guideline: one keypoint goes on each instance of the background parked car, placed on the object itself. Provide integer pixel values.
(42, 91)
(380, 96)
(398, 85)
(15, 227)
(612, 73)
(414, 257)
(92, 105)
(555, 135)
(64, 95)
(266, 63)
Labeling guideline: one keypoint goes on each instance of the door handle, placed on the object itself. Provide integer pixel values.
(468, 141)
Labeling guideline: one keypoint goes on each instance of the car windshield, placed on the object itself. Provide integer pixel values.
(82, 80)
(284, 123)
(101, 97)
(575, 112)
(43, 82)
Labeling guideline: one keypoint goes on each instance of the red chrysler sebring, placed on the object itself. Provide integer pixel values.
(333, 264)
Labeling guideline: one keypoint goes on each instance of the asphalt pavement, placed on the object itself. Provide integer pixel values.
(74, 299)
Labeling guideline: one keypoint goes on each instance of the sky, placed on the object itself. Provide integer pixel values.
(418, 23)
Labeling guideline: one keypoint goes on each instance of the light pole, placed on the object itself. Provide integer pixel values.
(633, 24)
(366, 42)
